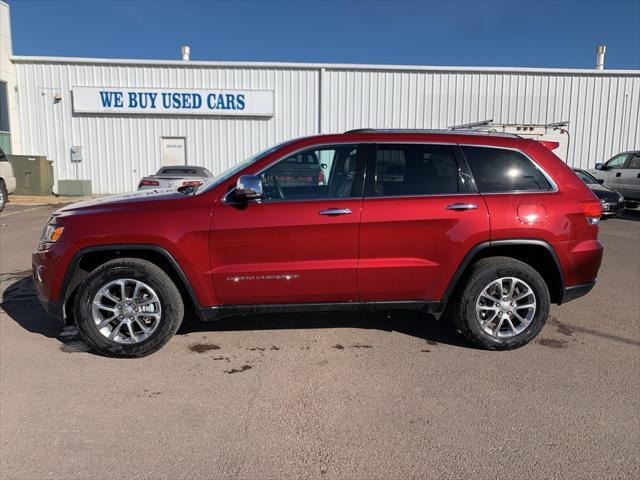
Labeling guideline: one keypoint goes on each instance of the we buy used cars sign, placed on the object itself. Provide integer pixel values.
(173, 101)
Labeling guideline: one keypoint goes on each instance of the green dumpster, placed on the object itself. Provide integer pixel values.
(34, 174)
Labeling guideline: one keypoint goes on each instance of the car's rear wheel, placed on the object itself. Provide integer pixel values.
(503, 305)
(3, 194)
(128, 308)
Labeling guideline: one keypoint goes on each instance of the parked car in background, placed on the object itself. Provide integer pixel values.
(492, 227)
(176, 176)
(613, 202)
(7, 180)
(621, 173)
(302, 169)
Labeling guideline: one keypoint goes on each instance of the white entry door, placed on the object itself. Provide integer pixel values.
(174, 151)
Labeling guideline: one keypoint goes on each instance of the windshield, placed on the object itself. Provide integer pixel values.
(211, 183)
(586, 178)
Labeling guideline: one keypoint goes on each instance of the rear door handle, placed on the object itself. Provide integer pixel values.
(618, 174)
(335, 211)
(461, 206)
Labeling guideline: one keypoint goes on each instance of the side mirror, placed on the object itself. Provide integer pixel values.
(600, 180)
(599, 166)
(248, 187)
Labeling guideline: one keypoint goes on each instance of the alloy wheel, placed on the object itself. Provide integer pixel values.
(126, 311)
(505, 307)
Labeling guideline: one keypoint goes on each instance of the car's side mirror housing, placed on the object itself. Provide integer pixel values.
(600, 180)
(599, 166)
(248, 187)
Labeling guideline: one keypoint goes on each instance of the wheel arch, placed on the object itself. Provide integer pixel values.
(90, 258)
(538, 254)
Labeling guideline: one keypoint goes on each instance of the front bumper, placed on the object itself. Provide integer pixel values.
(48, 268)
(54, 308)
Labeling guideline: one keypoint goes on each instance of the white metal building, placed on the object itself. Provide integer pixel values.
(92, 109)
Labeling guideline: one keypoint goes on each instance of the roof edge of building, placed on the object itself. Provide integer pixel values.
(314, 66)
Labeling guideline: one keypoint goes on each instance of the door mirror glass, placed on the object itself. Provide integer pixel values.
(599, 166)
(248, 187)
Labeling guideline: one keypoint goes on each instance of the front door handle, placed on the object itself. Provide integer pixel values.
(335, 211)
(461, 206)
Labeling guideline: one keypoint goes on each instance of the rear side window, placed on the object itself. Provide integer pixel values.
(498, 170)
(414, 169)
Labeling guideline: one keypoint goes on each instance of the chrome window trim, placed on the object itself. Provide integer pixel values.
(554, 186)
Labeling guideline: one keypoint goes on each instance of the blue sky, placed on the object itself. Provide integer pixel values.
(466, 33)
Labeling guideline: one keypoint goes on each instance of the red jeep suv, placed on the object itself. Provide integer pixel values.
(492, 227)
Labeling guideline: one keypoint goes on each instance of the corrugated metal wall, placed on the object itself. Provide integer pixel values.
(118, 150)
(603, 110)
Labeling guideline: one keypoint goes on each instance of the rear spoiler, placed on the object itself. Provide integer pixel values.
(550, 145)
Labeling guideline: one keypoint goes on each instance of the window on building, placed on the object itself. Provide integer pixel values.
(4, 108)
(414, 169)
(500, 170)
(325, 172)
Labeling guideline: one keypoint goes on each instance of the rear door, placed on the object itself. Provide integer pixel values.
(420, 217)
(629, 185)
(300, 243)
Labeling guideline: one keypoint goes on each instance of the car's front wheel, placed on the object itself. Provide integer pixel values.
(3, 195)
(503, 305)
(128, 308)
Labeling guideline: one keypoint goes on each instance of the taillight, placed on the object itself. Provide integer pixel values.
(148, 183)
(191, 183)
(320, 177)
(592, 210)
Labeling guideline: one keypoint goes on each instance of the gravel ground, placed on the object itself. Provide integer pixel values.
(324, 396)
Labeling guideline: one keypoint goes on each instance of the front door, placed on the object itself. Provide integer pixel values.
(629, 185)
(419, 219)
(300, 243)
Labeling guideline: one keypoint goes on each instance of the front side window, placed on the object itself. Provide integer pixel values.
(315, 173)
(617, 161)
(498, 170)
(415, 169)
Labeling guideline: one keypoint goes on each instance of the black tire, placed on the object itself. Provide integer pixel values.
(135, 269)
(480, 275)
(4, 195)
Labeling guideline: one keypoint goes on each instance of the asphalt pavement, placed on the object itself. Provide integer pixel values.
(361, 396)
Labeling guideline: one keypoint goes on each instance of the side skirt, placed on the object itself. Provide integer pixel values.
(222, 311)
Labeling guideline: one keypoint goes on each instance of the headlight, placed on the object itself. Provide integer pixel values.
(52, 233)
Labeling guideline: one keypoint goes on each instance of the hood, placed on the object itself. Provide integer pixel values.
(126, 199)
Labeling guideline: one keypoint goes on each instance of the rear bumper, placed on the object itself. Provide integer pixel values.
(613, 209)
(577, 291)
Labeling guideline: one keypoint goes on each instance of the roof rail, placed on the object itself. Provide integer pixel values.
(457, 131)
